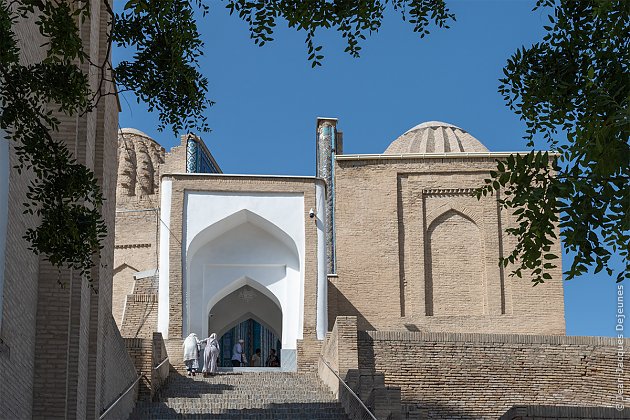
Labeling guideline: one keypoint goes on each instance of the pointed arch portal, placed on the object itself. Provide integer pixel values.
(243, 267)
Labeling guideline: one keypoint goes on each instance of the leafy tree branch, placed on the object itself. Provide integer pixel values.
(572, 90)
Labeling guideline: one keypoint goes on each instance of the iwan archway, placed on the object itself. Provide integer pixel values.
(220, 233)
(246, 252)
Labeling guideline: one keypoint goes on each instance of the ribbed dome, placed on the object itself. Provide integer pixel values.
(435, 137)
(133, 131)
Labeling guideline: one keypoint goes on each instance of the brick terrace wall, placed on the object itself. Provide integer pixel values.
(483, 375)
(141, 352)
(404, 228)
(120, 373)
(175, 350)
(308, 350)
(559, 413)
(159, 354)
(148, 353)
(340, 352)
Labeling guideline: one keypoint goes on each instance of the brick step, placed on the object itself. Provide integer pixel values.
(240, 415)
(254, 394)
(277, 407)
(246, 395)
(311, 414)
(243, 404)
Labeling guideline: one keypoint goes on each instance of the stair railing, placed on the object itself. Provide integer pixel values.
(112, 405)
(161, 363)
(355, 405)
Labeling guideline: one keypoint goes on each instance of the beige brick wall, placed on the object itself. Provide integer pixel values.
(119, 373)
(136, 245)
(483, 375)
(308, 351)
(175, 160)
(140, 316)
(339, 354)
(339, 350)
(59, 354)
(17, 332)
(141, 352)
(410, 236)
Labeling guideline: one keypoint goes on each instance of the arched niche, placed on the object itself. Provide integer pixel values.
(243, 299)
(455, 272)
(231, 253)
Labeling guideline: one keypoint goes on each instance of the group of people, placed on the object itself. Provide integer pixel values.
(240, 359)
(192, 347)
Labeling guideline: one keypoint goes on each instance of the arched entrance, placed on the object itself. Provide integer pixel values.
(244, 269)
(248, 314)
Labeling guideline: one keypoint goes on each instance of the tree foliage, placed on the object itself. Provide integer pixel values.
(163, 72)
(571, 89)
(351, 18)
(64, 194)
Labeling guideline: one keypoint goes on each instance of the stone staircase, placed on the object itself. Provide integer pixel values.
(243, 395)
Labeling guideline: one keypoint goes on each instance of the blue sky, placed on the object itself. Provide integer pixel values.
(267, 100)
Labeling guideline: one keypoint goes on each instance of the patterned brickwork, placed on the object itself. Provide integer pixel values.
(139, 161)
(483, 375)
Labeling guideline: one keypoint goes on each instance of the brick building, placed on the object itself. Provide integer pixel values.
(401, 226)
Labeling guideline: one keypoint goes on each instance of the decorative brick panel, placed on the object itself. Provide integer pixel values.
(410, 235)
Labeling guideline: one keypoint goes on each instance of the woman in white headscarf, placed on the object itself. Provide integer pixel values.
(191, 352)
(210, 355)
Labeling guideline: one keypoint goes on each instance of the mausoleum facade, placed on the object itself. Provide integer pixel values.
(396, 239)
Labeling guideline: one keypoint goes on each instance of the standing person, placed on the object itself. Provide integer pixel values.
(210, 355)
(238, 353)
(256, 359)
(272, 360)
(191, 352)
